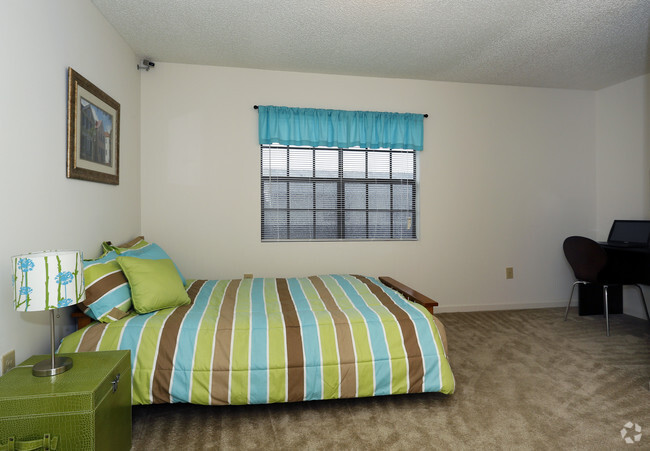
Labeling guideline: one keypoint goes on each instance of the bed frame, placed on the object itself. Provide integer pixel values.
(406, 291)
(409, 293)
(81, 318)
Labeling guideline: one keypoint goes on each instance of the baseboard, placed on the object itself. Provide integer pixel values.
(491, 307)
(635, 311)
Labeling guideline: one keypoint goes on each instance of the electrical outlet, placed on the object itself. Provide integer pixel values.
(8, 361)
(510, 272)
(248, 276)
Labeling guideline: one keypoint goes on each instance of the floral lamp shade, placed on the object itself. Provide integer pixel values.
(47, 280)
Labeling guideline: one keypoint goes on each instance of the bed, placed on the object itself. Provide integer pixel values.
(267, 340)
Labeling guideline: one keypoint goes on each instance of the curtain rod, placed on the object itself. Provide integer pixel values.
(256, 107)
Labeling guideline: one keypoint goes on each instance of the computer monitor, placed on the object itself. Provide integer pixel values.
(630, 231)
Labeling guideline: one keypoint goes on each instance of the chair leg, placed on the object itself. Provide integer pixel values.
(645, 306)
(606, 309)
(570, 297)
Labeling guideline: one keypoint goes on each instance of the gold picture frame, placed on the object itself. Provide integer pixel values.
(93, 132)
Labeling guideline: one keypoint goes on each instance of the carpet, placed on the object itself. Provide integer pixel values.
(525, 379)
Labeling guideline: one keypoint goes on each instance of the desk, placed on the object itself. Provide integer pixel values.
(625, 266)
(591, 302)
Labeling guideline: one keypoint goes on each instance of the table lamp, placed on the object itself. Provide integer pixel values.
(47, 281)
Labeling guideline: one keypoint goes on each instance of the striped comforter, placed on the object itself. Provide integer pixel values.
(257, 341)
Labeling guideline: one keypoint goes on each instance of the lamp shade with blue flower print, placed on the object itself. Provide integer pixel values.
(47, 281)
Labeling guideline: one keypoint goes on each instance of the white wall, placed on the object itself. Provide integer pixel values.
(42, 209)
(623, 162)
(507, 173)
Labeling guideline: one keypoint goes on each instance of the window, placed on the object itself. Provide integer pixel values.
(325, 193)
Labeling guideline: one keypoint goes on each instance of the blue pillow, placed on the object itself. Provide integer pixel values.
(140, 248)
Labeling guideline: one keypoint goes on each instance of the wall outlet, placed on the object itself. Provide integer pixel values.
(248, 276)
(8, 361)
(510, 274)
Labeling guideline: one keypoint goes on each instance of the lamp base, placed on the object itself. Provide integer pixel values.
(45, 367)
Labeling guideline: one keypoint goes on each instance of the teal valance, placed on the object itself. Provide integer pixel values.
(339, 128)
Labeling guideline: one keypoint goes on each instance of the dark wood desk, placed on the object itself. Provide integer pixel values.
(591, 302)
(625, 266)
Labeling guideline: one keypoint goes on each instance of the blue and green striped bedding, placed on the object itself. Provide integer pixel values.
(255, 341)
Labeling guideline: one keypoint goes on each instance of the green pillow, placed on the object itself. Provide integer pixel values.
(155, 284)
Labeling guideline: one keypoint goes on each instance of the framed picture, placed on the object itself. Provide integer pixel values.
(93, 132)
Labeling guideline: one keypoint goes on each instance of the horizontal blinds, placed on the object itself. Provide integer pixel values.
(317, 193)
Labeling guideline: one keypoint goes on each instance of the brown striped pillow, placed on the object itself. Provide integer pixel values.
(108, 295)
(136, 243)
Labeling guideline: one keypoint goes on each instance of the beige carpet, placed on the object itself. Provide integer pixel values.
(525, 380)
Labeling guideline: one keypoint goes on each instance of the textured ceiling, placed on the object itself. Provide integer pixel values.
(578, 44)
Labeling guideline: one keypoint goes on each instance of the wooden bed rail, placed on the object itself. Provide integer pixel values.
(81, 319)
(409, 293)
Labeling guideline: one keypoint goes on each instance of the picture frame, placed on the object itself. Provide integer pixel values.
(93, 132)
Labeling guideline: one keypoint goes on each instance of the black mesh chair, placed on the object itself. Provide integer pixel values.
(587, 259)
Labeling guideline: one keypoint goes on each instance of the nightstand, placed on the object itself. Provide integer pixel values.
(86, 408)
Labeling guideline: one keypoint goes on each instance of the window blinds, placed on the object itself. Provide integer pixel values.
(324, 193)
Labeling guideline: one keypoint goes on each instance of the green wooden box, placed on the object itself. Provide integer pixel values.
(86, 408)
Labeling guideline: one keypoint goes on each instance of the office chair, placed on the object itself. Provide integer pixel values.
(587, 259)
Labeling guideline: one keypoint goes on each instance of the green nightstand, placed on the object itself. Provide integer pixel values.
(86, 408)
